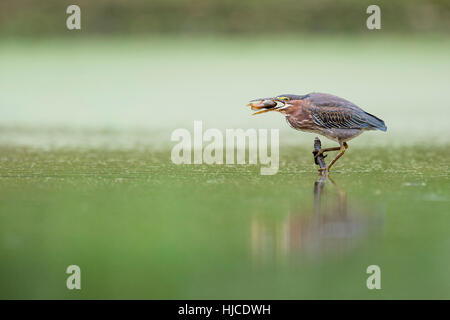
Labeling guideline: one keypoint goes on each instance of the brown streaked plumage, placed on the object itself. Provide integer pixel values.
(331, 116)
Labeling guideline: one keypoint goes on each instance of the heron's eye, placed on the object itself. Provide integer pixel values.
(284, 98)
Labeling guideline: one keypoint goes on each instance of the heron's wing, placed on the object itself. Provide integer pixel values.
(329, 112)
(334, 117)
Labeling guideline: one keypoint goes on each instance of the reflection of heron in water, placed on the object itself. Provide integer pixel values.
(333, 226)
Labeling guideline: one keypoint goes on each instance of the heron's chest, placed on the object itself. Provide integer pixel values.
(301, 121)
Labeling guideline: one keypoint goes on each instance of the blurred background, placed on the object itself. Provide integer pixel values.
(85, 171)
(201, 17)
(159, 65)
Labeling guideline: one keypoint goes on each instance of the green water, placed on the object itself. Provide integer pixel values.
(140, 227)
(86, 176)
(163, 84)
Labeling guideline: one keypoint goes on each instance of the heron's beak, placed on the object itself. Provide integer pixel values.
(267, 104)
(265, 110)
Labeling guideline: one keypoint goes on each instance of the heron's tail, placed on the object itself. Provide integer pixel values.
(375, 122)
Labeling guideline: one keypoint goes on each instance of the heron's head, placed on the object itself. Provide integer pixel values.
(279, 103)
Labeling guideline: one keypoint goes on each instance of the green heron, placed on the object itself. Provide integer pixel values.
(333, 117)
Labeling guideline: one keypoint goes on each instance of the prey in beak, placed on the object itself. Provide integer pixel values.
(267, 104)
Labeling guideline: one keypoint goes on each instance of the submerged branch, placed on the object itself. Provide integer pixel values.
(319, 159)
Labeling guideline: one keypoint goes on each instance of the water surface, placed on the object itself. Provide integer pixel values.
(141, 227)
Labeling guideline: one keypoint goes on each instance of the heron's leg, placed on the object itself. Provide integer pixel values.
(321, 152)
(340, 154)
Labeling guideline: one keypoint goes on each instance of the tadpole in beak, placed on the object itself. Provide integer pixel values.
(262, 104)
(267, 104)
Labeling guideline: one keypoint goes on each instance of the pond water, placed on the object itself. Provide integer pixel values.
(141, 227)
(86, 176)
